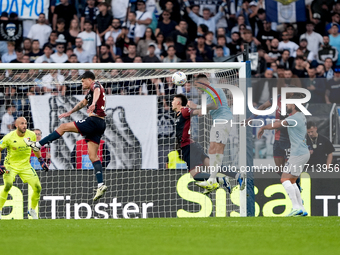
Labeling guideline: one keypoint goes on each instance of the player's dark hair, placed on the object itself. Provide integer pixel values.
(183, 98)
(297, 96)
(88, 75)
(310, 124)
(201, 76)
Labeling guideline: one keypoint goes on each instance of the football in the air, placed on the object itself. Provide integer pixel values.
(179, 78)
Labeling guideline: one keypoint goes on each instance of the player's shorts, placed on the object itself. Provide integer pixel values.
(92, 128)
(25, 175)
(296, 164)
(220, 133)
(280, 149)
(193, 154)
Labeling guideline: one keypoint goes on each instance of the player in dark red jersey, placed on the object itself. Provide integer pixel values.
(192, 153)
(92, 127)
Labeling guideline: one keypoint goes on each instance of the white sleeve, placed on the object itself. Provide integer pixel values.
(107, 35)
(99, 43)
(310, 56)
(161, 88)
(179, 89)
(144, 89)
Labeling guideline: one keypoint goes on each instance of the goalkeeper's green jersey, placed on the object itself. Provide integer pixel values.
(18, 153)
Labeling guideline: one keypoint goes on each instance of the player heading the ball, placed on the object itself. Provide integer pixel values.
(92, 128)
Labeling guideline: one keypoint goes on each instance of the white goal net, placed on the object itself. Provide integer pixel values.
(139, 136)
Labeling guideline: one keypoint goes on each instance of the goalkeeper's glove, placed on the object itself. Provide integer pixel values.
(2, 170)
(43, 164)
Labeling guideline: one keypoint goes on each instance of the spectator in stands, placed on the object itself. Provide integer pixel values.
(61, 28)
(292, 33)
(273, 53)
(235, 45)
(7, 121)
(45, 152)
(263, 88)
(316, 86)
(10, 55)
(288, 81)
(91, 40)
(26, 59)
(240, 21)
(320, 71)
(160, 46)
(48, 50)
(314, 39)
(132, 53)
(334, 39)
(171, 57)
(73, 32)
(90, 13)
(151, 57)
(40, 31)
(66, 11)
(105, 55)
(172, 7)
(248, 38)
(27, 45)
(327, 51)
(192, 54)
(180, 38)
(169, 91)
(219, 54)
(36, 51)
(82, 55)
(329, 73)
(209, 40)
(52, 40)
(300, 68)
(53, 82)
(321, 149)
(131, 25)
(72, 84)
(209, 21)
(20, 54)
(222, 42)
(144, 42)
(103, 20)
(114, 31)
(73, 59)
(122, 42)
(192, 26)
(286, 44)
(256, 18)
(266, 35)
(143, 20)
(307, 54)
(335, 20)
(204, 51)
(153, 87)
(3, 44)
(333, 88)
(138, 59)
(285, 60)
(59, 56)
(166, 26)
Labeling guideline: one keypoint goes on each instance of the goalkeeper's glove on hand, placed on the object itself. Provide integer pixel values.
(2, 170)
(43, 164)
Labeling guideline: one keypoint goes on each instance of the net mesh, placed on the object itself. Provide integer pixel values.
(139, 136)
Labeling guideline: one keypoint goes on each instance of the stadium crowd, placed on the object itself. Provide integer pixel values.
(170, 31)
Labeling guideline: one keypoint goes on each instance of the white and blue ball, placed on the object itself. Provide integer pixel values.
(179, 78)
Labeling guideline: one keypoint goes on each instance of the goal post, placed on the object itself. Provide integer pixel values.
(138, 139)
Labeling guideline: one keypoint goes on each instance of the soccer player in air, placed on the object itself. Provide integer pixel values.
(17, 161)
(219, 133)
(299, 154)
(192, 153)
(92, 127)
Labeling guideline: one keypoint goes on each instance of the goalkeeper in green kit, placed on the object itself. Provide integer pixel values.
(17, 161)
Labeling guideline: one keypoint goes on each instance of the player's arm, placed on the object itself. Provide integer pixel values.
(211, 106)
(260, 108)
(78, 106)
(96, 94)
(42, 162)
(271, 126)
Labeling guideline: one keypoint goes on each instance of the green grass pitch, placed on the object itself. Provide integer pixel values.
(308, 235)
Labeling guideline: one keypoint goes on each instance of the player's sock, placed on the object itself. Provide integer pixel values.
(97, 165)
(298, 197)
(216, 165)
(51, 137)
(35, 199)
(291, 193)
(298, 184)
(3, 198)
(212, 168)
